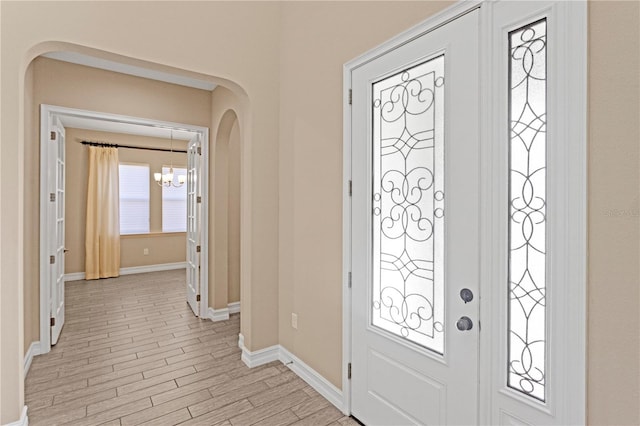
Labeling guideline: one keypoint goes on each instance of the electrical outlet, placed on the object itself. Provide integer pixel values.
(145, 251)
(294, 321)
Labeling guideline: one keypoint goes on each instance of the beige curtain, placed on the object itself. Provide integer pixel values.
(102, 244)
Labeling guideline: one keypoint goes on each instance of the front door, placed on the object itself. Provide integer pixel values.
(193, 224)
(415, 238)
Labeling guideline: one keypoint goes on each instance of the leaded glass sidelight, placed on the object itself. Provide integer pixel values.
(527, 209)
(408, 204)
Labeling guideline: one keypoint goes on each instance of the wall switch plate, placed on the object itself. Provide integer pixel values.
(145, 252)
(294, 321)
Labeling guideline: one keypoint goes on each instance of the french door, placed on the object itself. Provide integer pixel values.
(193, 223)
(415, 204)
(56, 219)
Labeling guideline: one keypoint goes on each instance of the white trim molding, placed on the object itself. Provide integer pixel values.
(241, 341)
(76, 276)
(313, 378)
(295, 364)
(152, 268)
(222, 314)
(34, 349)
(23, 421)
(234, 307)
(259, 357)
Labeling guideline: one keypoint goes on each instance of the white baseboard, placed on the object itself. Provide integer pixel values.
(218, 314)
(313, 378)
(24, 420)
(306, 373)
(222, 314)
(34, 349)
(259, 357)
(153, 268)
(234, 307)
(75, 276)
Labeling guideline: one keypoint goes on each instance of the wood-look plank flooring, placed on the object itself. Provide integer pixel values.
(132, 353)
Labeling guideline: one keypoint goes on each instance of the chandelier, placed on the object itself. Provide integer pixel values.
(166, 179)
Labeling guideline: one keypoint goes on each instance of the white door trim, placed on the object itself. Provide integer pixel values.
(574, 77)
(49, 111)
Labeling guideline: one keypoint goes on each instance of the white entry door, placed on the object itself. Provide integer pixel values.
(56, 170)
(415, 235)
(193, 223)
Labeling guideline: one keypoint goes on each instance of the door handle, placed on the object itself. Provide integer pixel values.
(464, 324)
(66, 250)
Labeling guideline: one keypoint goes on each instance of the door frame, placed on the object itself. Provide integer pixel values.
(574, 77)
(47, 114)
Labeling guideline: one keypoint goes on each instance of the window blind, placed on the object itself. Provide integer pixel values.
(134, 198)
(174, 204)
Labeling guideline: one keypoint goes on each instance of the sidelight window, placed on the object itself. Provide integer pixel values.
(527, 209)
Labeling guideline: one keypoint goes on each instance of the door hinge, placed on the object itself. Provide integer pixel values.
(52, 259)
(197, 298)
(349, 279)
(349, 371)
(52, 321)
(350, 96)
(200, 150)
(52, 196)
(198, 199)
(197, 249)
(350, 188)
(53, 136)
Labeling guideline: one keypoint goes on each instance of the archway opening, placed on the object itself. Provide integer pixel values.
(225, 204)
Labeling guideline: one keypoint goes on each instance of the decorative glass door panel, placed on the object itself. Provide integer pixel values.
(527, 209)
(408, 204)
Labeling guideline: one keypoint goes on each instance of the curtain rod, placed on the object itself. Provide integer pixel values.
(113, 145)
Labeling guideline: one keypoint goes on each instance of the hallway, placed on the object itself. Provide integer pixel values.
(131, 352)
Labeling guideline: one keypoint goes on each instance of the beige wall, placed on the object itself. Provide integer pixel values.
(316, 40)
(233, 219)
(288, 58)
(163, 248)
(226, 209)
(31, 213)
(614, 213)
(225, 216)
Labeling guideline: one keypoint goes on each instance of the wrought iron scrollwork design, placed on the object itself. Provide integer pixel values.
(527, 209)
(408, 203)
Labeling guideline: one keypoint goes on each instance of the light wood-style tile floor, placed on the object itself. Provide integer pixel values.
(131, 352)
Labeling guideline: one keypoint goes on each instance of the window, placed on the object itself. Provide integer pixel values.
(408, 224)
(174, 204)
(527, 209)
(134, 198)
